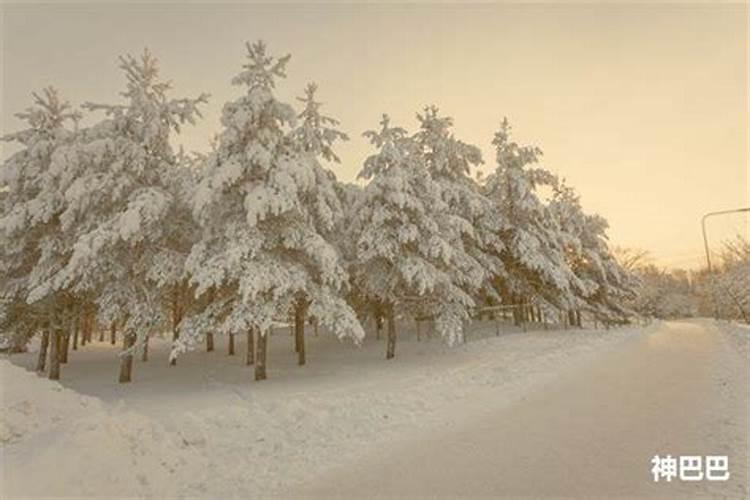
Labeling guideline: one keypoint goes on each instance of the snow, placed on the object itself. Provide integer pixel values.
(739, 335)
(56, 441)
(588, 433)
(203, 427)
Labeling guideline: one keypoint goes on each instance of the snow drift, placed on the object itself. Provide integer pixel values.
(56, 440)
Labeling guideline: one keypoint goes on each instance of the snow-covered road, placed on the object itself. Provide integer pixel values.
(682, 390)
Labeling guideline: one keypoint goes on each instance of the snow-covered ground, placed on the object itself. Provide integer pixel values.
(739, 335)
(590, 433)
(204, 428)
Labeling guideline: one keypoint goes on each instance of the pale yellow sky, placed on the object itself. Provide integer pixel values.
(642, 108)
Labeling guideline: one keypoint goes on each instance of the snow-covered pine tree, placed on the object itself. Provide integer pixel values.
(120, 209)
(31, 245)
(603, 285)
(471, 214)
(182, 233)
(349, 195)
(317, 133)
(260, 247)
(533, 257)
(315, 137)
(409, 252)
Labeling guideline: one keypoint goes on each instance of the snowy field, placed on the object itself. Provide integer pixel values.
(204, 428)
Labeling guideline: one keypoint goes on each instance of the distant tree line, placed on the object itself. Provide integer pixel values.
(679, 293)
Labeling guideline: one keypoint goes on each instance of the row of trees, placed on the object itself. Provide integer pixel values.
(108, 225)
(678, 293)
(731, 283)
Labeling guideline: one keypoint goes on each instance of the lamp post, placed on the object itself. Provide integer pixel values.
(708, 254)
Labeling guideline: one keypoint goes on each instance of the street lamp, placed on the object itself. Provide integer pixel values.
(708, 255)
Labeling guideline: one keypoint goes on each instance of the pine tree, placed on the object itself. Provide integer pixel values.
(120, 205)
(476, 224)
(534, 264)
(260, 249)
(182, 233)
(31, 200)
(408, 252)
(602, 284)
(315, 137)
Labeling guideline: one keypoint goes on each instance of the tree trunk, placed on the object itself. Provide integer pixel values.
(76, 328)
(126, 361)
(175, 336)
(209, 342)
(89, 326)
(113, 333)
(578, 318)
(299, 330)
(231, 344)
(391, 343)
(260, 361)
(571, 317)
(84, 325)
(64, 345)
(250, 356)
(378, 325)
(144, 354)
(293, 321)
(90, 329)
(54, 355)
(176, 319)
(43, 346)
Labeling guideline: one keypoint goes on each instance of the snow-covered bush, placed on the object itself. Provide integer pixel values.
(729, 287)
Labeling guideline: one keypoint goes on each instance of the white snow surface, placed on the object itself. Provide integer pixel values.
(589, 433)
(739, 335)
(203, 428)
